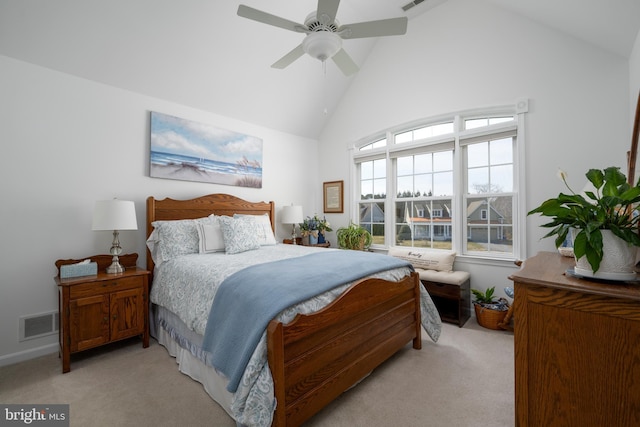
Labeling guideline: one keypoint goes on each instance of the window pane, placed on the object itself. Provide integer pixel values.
(372, 219)
(475, 123)
(443, 161)
(486, 121)
(424, 224)
(423, 185)
(405, 186)
(379, 188)
(495, 120)
(501, 151)
(443, 129)
(405, 165)
(380, 168)
(489, 224)
(443, 184)
(380, 143)
(502, 179)
(366, 189)
(478, 154)
(404, 137)
(478, 179)
(366, 170)
(422, 163)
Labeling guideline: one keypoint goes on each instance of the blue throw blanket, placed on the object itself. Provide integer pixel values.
(247, 300)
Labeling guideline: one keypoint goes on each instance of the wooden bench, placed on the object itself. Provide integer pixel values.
(449, 290)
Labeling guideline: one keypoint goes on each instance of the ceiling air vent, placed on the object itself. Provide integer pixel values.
(410, 5)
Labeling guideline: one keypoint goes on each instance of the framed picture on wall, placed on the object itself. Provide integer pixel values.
(333, 195)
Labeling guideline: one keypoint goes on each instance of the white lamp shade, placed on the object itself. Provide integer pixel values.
(291, 215)
(114, 215)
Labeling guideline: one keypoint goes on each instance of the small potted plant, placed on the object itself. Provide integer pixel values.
(603, 216)
(354, 237)
(490, 311)
(323, 228)
(309, 231)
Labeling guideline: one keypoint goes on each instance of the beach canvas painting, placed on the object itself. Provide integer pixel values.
(190, 151)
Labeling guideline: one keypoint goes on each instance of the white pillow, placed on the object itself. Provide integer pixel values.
(210, 238)
(263, 228)
(239, 234)
(429, 259)
(174, 238)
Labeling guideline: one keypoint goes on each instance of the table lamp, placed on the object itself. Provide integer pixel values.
(292, 215)
(114, 215)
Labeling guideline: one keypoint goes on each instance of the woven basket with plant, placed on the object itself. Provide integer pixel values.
(490, 311)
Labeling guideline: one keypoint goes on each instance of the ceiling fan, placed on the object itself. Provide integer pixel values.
(324, 34)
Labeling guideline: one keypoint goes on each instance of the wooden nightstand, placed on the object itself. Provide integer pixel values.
(103, 308)
(299, 242)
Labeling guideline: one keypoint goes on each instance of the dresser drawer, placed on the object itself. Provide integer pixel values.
(115, 284)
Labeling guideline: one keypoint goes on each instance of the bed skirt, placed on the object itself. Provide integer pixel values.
(188, 364)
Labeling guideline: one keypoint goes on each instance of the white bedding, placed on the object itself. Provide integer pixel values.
(186, 286)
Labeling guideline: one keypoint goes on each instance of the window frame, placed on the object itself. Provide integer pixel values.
(459, 138)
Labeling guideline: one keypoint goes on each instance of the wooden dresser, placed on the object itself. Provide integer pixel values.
(577, 347)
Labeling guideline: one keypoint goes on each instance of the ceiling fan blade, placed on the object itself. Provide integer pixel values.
(329, 8)
(384, 27)
(269, 19)
(345, 63)
(286, 60)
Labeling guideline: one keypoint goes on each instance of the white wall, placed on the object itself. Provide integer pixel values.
(467, 54)
(67, 142)
(634, 77)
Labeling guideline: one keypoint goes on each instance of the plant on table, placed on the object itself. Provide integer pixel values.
(353, 237)
(611, 205)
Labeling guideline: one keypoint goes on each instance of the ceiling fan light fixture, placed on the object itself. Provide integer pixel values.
(322, 45)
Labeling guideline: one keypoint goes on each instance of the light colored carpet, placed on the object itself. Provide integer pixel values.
(466, 379)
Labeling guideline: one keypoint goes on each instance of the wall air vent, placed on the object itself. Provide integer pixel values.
(412, 4)
(38, 325)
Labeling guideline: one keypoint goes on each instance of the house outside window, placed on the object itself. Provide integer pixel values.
(447, 183)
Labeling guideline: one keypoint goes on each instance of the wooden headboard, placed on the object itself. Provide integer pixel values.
(218, 204)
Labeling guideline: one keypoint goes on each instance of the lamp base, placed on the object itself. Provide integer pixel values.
(115, 267)
(115, 250)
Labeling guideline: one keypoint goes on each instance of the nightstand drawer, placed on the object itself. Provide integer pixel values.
(115, 284)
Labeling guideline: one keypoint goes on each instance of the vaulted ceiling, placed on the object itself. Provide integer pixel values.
(201, 54)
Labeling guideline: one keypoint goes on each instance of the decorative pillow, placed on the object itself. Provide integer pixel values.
(440, 260)
(179, 237)
(262, 228)
(210, 238)
(239, 234)
(154, 247)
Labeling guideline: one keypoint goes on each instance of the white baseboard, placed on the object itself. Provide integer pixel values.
(21, 356)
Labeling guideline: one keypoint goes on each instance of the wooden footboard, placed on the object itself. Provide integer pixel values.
(317, 357)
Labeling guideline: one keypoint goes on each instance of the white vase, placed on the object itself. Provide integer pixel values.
(618, 261)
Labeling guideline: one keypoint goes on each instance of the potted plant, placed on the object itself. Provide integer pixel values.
(353, 237)
(309, 230)
(604, 223)
(490, 311)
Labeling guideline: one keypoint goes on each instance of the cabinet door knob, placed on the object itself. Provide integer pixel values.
(115, 316)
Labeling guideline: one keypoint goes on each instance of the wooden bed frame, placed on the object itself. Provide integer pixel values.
(316, 357)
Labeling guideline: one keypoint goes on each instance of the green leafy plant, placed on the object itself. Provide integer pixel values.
(486, 297)
(611, 206)
(315, 224)
(353, 237)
